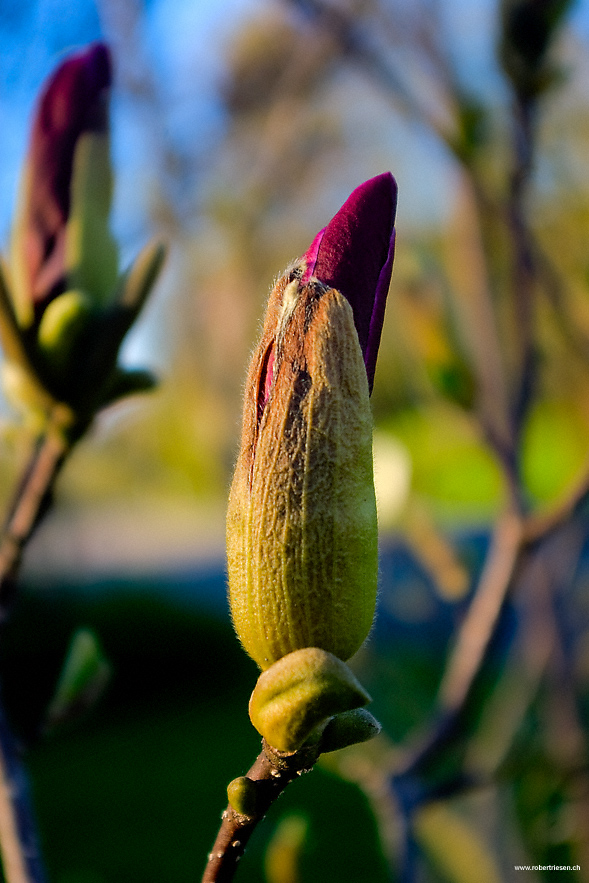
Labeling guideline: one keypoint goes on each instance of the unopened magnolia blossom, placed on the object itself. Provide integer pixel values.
(301, 523)
(64, 308)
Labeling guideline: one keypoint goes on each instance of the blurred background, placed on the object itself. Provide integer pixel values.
(238, 130)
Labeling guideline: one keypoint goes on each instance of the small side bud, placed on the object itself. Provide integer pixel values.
(61, 325)
(243, 796)
(349, 728)
(301, 692)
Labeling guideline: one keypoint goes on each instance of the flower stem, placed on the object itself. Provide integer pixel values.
(31, 502)
(21, 862)
(272, 771)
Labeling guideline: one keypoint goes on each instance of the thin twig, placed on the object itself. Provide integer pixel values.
(353, 44)
(21, 861)
(524, 274)
(474, 639)
(558, 294)
(547, 647)
(30, 503)
(272, 772)
(539, 527)
(479, 624)
(18, 844)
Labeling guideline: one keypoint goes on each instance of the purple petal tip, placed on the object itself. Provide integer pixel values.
(73, 102)
(355, 255)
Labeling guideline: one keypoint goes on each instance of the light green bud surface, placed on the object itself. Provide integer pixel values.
(300, 693)
(91, 251)
(301, 522)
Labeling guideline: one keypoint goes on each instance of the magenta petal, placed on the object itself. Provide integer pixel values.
(73, 102)
(355, 255)
(310, 257)
(370, 351)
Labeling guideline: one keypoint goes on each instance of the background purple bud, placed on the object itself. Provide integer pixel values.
(354, 254)
(73, 102)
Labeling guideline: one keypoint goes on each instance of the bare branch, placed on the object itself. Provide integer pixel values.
(271, 772)
(21, 861)
(479, 624)
(31, 502)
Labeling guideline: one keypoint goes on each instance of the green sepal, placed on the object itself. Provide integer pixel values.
(10, 336)
(101, 352)
(91, 251)
(126, 382)
(21, 382)
(95, 379)
(83, 678)
(301, 692)
(101, 381)
(244, 796)
(349, 728)
(136, 284)
(19, 267)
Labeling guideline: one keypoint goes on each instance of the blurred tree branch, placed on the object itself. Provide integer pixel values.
(501, 340)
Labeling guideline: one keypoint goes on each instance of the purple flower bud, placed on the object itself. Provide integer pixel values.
(302, 537)
(354, 254)
(74, 102)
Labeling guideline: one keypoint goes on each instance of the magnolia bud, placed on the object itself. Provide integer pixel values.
(298, 695)
(64, 309)
(301, 522)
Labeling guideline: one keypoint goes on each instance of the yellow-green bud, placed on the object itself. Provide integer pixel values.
(244, 796)
(301, 522)
(298, 695)
(349, 728)
(63, 321)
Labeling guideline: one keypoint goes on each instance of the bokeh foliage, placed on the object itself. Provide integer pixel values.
(316, 97)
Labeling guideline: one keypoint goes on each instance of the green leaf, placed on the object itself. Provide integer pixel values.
(455, 846)
(83, 678)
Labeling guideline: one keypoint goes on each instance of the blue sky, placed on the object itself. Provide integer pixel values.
(183, 43)
(183, 40)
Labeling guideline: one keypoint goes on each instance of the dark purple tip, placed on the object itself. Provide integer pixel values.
(354, 254)
(74, 101)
